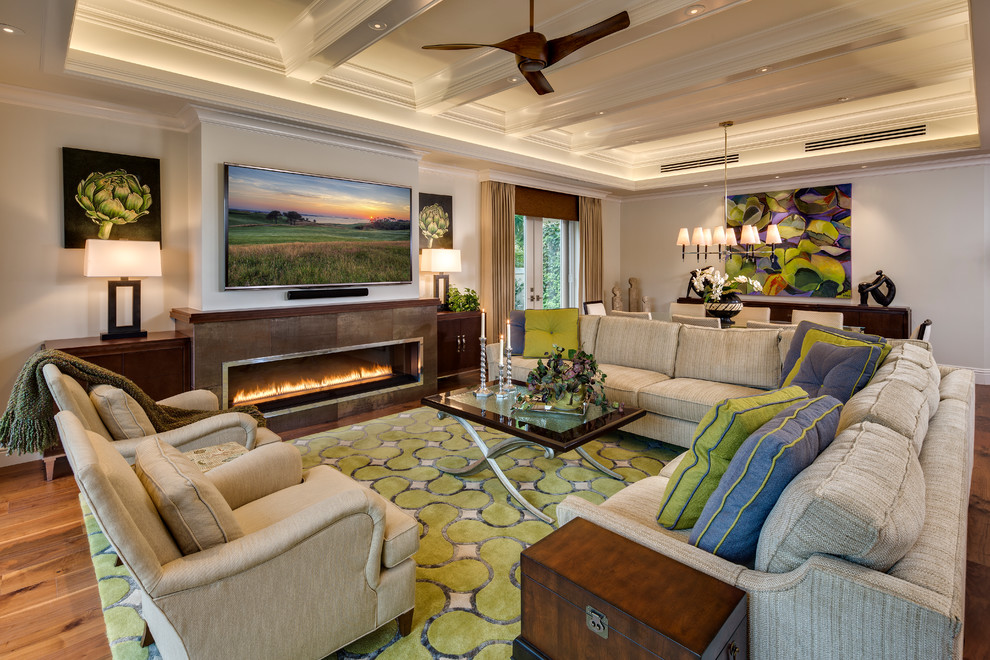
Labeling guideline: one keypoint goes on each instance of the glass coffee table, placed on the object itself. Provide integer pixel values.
(554, 432)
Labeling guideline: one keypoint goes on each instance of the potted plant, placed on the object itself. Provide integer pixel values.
(463, 302)
(721, 294)
(565, 384)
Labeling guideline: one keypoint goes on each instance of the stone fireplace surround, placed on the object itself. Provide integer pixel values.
(230, 335)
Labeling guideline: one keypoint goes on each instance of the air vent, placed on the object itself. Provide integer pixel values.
(866, 138)
(701, 162)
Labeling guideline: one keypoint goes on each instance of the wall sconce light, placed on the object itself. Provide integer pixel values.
(440, 263)
(123, 259)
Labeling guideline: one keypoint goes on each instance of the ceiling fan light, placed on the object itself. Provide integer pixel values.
(530, 65)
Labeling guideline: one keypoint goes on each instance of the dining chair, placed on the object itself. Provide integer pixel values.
(594, 308)
(833, 319)
(767, 324)
(923, 331)
(685, 309)
(747, 314)
(704, 321)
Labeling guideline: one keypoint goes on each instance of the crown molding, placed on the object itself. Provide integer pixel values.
(543, 184)
(73, 105)
(447, 170)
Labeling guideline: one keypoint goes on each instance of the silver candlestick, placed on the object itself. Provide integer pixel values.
(505, 388)
(483, 389)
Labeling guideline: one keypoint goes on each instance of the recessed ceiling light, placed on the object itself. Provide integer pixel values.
(863, 167)
(513, 79)
(763, 69)
(777, 177)
(600, 113)
(377, 26)
(694, 10)
(10, 29)
(842, 99)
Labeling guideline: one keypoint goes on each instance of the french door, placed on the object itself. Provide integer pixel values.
(546, 263)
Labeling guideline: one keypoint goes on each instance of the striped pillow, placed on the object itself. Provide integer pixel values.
(720, 433)
(733, 517)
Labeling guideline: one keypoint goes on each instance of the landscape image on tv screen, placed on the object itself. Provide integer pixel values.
(286, 229)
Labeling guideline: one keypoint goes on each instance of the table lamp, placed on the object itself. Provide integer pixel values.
(440, 263)
(123, 259)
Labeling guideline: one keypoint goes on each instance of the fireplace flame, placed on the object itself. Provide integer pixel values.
(306, 385)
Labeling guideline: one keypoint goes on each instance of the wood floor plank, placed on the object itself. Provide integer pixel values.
(41, 547)
(49, 570)
(34, 625)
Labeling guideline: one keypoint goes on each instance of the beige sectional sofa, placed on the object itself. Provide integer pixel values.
(864, 555)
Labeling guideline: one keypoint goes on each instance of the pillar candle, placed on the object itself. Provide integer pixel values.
(508, 336)
(501, 353)
(482, 322)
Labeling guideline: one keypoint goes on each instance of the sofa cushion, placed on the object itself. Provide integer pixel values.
(193, 509)
(892, 403)
(650, 345)
(623, 384)
(862, 499)
(730, 523)
(688, 398)
(719, 434)
(517, 330)
(738, 357)
(588, 332)
(121, 414)
(906, 365)
(546, 328)
(807, 333)
(836, 370)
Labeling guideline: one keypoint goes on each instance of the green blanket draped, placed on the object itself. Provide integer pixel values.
(28, 424)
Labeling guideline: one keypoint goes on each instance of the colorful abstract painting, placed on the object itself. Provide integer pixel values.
(815, 225)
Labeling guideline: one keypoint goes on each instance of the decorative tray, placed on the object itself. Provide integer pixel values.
(528, 405)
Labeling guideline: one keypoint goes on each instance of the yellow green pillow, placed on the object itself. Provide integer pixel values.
(720, 433)
(548, 327)
(836, 338)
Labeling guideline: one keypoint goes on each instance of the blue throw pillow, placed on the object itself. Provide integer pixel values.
(839, 371)
(733, 517)
(802, 341)
(517, 330)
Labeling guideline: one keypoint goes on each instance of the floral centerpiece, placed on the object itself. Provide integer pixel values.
(565, 384)
(721, 293)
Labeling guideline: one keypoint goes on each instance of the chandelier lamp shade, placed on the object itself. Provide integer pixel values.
(123, 259)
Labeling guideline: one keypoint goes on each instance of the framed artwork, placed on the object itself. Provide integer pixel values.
(110, 196)
(435, 221)
(814, 258)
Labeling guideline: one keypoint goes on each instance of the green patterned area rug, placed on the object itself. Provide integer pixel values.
(467, 576)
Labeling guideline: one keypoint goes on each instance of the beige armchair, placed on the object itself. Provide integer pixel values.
(321, 560)
(226, 427)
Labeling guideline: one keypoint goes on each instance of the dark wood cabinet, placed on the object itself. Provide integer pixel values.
(458, 342)
(160, 364)
(890, 322)
(588, 593)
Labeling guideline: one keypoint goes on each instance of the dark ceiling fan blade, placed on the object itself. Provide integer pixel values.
(528, 46)
(538, 81)
(563, 46)
(456, 46)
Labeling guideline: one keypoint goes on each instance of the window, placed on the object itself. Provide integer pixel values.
(546, 263)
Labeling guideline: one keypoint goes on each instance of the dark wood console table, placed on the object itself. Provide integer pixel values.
(890, 322)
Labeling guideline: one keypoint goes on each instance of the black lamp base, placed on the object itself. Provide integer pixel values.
(441, 284)
(115, 331)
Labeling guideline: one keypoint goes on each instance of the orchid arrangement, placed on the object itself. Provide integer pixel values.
(715, 284)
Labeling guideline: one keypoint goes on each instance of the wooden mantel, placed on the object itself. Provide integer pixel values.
(193, 316)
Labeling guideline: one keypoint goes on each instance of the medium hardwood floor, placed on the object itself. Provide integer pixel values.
(50, 607)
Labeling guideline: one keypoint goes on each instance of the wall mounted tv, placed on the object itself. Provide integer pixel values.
(288, 229)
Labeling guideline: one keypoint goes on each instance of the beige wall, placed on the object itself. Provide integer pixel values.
(926, 228)
(463, 186)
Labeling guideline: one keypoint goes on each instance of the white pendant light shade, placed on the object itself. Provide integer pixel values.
(708, 236)
(718, 235)
(682, 237)
(749, 235)
(730, 237)
(698, 236)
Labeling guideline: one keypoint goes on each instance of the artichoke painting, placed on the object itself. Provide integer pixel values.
(815, 225)
(434, 222)
(113, 198)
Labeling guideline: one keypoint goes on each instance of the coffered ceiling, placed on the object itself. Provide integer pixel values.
(876, 80)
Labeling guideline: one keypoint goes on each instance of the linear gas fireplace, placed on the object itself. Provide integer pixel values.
(281, 384)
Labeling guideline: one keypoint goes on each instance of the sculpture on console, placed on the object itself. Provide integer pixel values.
(635, 295)
(616, 298)
(867, 289)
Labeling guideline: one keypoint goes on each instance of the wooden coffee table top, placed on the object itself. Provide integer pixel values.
(559, 431)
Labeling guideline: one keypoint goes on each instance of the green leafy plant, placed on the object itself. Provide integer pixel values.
(114, 198)
(558, 377)
(463, 302)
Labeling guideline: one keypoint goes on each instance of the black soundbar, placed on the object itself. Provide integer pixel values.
(308, 294)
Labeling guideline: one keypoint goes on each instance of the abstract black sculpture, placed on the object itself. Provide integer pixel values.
(873, 288)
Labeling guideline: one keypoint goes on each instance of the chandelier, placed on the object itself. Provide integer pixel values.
(721, 240)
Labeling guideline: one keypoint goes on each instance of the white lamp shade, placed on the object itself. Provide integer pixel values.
(440, 261)
(718, 235)
(708, 236)
(730, 236)
(112, 258)
(682, 237)
(773, 235)
(749, 235)
(698, 236)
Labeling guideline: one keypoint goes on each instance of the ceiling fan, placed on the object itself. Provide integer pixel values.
(534, 52)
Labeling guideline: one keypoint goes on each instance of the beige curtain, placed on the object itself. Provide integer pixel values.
(498, 213)
(590, 218)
